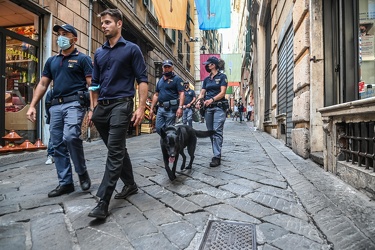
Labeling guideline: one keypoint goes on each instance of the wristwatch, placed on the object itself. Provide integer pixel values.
(180, 107)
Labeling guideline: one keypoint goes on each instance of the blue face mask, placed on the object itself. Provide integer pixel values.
(63, 42)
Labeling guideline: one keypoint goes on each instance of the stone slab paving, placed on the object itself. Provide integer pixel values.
(293, 202)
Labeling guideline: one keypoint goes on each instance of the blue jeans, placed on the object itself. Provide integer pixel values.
(50, 150)
(164, 118)
(215, 119)
(65, 132)
(112, 122)
(187, 117)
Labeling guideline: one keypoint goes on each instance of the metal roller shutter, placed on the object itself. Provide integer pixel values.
(285, 93)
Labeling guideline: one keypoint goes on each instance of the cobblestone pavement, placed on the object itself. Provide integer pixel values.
(293, 202)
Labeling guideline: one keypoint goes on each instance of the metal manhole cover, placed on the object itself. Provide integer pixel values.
(223, 235)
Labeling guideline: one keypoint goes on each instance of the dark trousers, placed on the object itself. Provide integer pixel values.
(241, 114)
(112, 122)
(248, 115)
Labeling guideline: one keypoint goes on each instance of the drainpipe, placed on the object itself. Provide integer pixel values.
(90, 26)
(89, 47)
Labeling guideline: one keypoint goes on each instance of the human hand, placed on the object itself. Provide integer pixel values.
(138, 115)
(179, 112)
(31, 114)
(89, 121)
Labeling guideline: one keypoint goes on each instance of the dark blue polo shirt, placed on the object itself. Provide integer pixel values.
(68, 73)
(189, 96)
(213, 87)
(169, 89)
(116, 69)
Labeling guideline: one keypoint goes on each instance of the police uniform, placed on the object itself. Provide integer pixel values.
(168, 100)
(215, 114)
(187, 117)
(66, 113)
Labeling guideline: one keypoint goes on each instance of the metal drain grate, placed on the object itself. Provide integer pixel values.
(222, 235)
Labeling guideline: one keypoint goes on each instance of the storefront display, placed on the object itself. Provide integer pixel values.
(20, 79)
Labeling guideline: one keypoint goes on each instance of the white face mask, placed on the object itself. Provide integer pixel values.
(63, 42)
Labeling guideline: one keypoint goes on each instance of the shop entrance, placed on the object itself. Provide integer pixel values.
(19, 65)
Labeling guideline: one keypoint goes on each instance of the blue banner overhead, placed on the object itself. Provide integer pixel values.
(213, 14)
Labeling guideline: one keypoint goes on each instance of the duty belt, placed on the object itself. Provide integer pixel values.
(66, 99)
(216, 104)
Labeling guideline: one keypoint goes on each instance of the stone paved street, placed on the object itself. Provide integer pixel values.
(293, 202)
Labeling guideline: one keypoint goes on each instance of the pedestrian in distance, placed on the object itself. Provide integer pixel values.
(50, 150)
(188, 108)
(235, 112)
(169, 97)
(249, 111)
(71, 73)
(118, 63)
(240, 111)
(213, 92)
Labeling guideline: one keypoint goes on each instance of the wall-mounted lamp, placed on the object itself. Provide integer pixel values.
(192, 40)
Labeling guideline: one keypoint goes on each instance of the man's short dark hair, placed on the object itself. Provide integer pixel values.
(115, 13)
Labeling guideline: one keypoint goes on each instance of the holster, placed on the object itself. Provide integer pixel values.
(84, 98)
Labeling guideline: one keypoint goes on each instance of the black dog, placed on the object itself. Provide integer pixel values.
(173, 141)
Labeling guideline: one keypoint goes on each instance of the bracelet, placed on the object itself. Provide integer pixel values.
(213, 99)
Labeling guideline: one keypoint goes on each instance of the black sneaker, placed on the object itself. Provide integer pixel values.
(84, 181)
(100, 211)
(215, 162)
(60, 190)
(126, 191)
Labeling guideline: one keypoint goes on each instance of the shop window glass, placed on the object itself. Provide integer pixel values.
(366, 31)
(20, 79)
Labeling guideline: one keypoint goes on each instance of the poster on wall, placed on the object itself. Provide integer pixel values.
(367, 48)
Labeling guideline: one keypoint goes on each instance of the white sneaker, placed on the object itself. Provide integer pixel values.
(49, 160)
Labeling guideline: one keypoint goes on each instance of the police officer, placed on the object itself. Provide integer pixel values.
(70, 71)
(187, 117)
(169, 96)
(213, 92)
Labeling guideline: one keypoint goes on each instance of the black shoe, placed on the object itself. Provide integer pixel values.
(84, 181)
(100, 211)
(215, 162)
(126, 191)
(60, 190)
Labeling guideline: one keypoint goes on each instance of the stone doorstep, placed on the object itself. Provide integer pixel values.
(358, 177)
(317, 157)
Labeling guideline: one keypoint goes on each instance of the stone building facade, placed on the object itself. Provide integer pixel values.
(313, 84)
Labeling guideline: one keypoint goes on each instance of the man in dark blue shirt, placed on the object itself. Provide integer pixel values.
(117, 65)
(169, 96)
(70, 71)
(187, 117)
